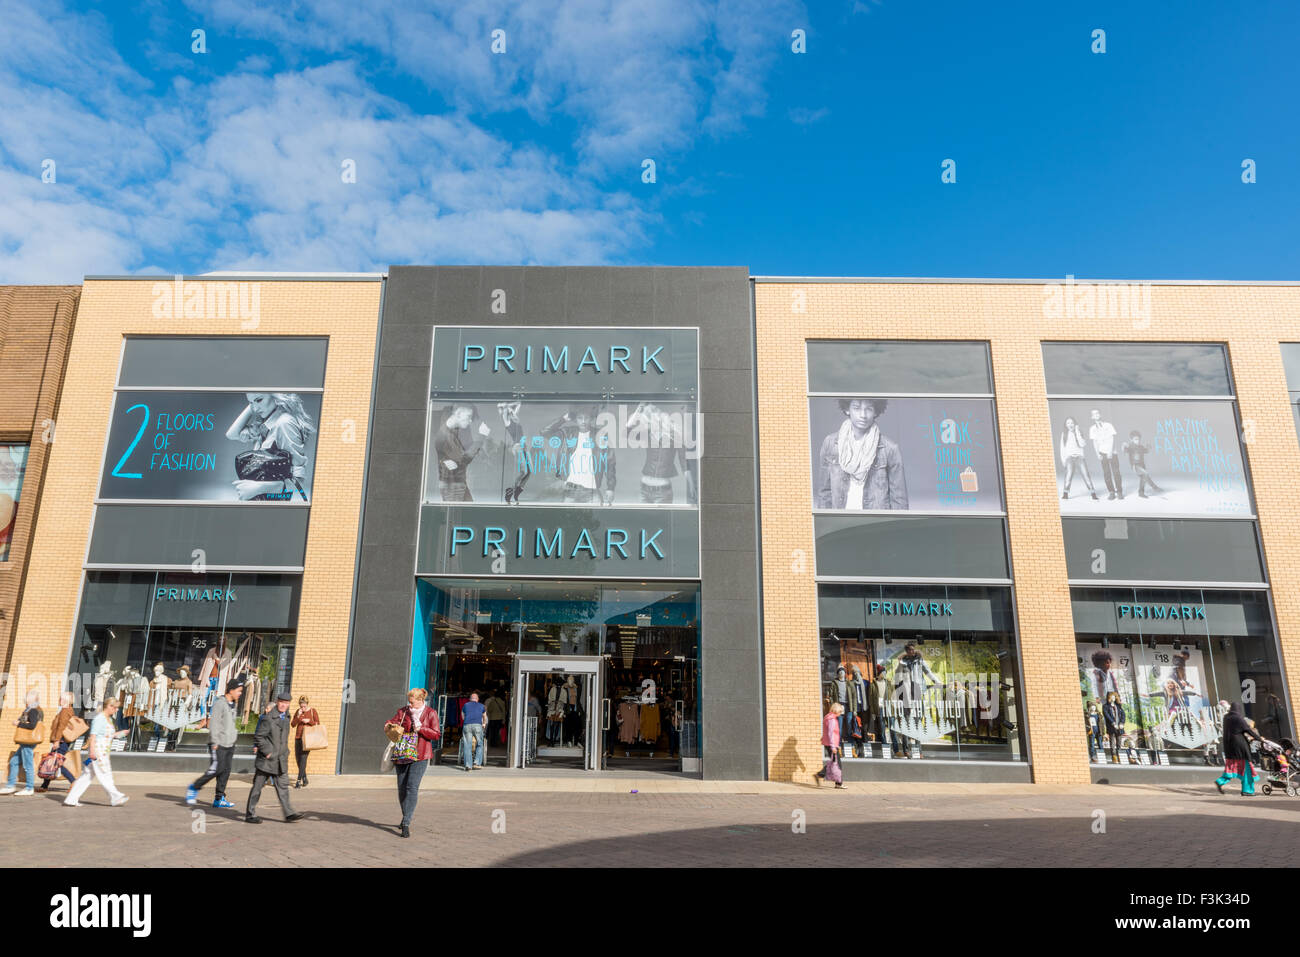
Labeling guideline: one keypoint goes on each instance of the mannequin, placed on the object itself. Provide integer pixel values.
(572, 713)
(157, 702)
(184, 685)
(840, 693)
(556, 699)
(102, 678)
(858, 704)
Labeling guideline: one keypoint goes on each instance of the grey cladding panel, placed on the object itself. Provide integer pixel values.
(254, 536)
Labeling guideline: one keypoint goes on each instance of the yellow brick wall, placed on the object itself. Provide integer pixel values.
(346, 312)
(1251, 320)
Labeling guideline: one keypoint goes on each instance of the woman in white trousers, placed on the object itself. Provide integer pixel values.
(100, 739)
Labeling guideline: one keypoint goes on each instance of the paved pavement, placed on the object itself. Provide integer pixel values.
(475, 820)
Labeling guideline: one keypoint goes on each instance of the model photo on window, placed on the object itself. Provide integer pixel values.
(899, 454)
(211, 446)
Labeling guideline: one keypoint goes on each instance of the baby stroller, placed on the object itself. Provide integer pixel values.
(1279, 766)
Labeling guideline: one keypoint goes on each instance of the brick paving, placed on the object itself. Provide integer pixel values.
(906, 827)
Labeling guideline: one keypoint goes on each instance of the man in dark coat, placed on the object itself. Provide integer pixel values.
(1236, 750)
(272, 762)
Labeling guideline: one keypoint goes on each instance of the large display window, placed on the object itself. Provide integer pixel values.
(167, 643)
(1155, 663)
(13, 468)
(922, 671)
(557, 416)
(469, 633)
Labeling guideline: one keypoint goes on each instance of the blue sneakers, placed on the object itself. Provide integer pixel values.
(221, 802)
(191, 795)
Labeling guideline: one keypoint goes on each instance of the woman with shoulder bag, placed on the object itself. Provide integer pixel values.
(304, 717)
(414, 728)
(29, 734)
(58, 743)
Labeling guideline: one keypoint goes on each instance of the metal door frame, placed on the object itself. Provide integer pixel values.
(524, 665)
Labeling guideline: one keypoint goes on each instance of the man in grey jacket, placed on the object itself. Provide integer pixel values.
(222, 734)
(272, 761)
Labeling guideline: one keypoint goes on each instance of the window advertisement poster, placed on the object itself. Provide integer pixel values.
(211, 446)
(1172, 695)
(937, 688)
(889, 454)
(562, 452)
(1104, 670)
(1148, 457)
(13, 467)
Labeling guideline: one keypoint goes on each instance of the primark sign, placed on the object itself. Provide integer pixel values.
(604, 542)
(569, 360)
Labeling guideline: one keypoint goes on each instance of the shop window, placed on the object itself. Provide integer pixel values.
(917, 366)
(167, 643)
(919, 546)
(469, 633)
(13, 468)
(1163, 550)
(1169, 656)
(555, 416)
(924, 671)
(1291, 364)
(1136, 368)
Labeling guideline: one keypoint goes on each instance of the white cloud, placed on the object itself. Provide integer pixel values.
(243, 171)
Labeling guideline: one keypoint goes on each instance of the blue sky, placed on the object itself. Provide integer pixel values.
(1125, 164)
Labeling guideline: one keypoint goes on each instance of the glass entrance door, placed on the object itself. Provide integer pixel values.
(555, 718)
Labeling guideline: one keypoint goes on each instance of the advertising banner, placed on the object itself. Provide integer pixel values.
(211, 446)
(874, 454)
(13, 467)
(1148, 457)
(1175, 702)
(1103, 670)
(938, 688)
(576, 453)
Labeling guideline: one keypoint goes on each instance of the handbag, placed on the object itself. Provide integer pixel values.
(314, 737)
(386, 762)
(267, 465)
(25, 736)
(50, 765)
(75, 728)
(406, 749)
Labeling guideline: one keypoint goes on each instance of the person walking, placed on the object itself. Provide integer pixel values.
(272, 761)
(28, 721)
(1112, 713)
(304, 717)
(57, 744)
(222, 734)
(98, 766)
(831, 739)
(473, 718)
(418, 718)
(1237, 731)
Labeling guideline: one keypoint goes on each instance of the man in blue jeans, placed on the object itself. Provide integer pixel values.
(473, 739)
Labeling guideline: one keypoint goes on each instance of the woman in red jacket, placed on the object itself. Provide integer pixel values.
(416, 717)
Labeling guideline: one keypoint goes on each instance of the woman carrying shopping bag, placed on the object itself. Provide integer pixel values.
(831, 741)
(305, 741)
(412, 730)
(30, 732)
(65, 721)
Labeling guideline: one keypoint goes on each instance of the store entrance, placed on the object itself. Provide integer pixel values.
(557, 713)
